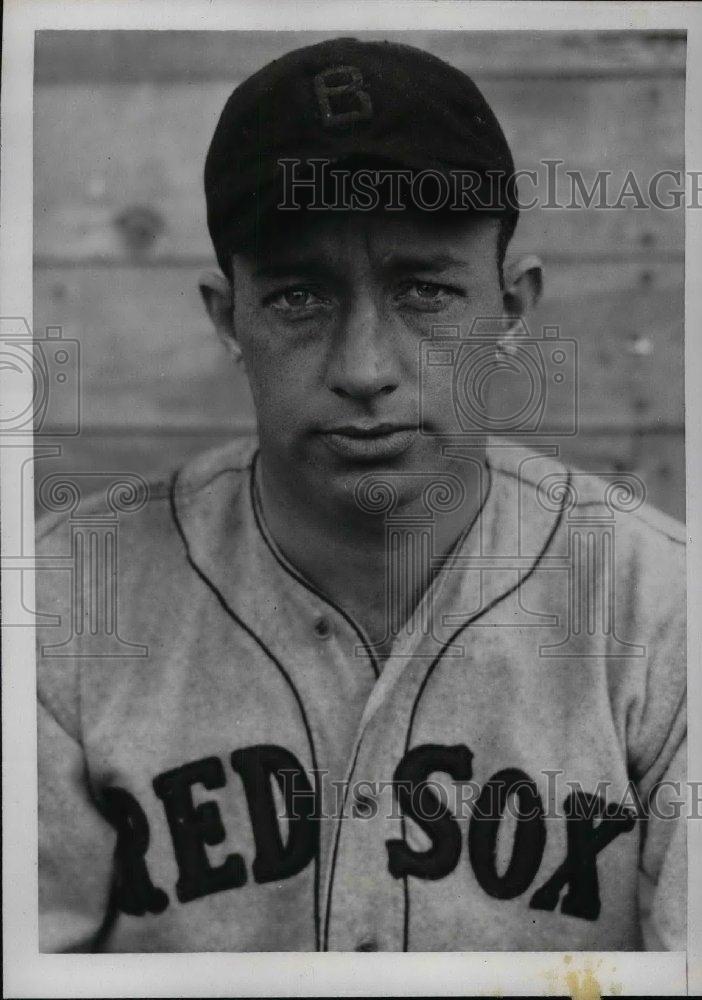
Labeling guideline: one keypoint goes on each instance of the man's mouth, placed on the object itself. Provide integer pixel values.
(369, 442)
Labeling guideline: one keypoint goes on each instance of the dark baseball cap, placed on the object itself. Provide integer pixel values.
(347, 100)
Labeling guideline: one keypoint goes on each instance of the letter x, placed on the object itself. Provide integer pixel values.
(585, 841)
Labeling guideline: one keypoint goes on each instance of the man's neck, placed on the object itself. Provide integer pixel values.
(368, 563)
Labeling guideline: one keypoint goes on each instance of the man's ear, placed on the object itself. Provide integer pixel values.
(216, 293)
(524, 284)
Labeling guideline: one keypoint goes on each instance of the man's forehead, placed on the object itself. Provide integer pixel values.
(391, 239)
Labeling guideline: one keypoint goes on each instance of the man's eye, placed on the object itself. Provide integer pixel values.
(426, 294)
(425, 290)
(295, 299)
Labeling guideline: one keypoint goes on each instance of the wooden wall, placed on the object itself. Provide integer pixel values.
(122, 124)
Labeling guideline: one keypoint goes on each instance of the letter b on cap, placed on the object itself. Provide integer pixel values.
(340, 96)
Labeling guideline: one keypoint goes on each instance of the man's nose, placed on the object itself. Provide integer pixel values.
(363, 361)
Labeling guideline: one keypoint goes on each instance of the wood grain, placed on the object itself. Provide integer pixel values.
(149, 354)
(166, 56)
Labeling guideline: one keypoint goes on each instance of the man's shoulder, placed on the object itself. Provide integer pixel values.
(546, 486)
(142, 507)
(233, 459)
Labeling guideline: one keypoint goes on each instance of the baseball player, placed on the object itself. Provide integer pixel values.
(381, 683)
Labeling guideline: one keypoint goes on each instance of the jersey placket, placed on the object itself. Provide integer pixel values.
(458, 597)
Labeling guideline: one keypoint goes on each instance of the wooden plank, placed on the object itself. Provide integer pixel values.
(657, 458)
(149, 355)
(143, 146)
(628, 324)
(128, 56)
(150, 358)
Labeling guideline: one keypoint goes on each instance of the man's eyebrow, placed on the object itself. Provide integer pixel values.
(394, 262)
(422, 262)
(292, 265)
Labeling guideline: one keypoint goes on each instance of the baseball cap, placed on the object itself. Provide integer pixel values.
(343, 100)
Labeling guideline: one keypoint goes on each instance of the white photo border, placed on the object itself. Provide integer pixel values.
(30, 974)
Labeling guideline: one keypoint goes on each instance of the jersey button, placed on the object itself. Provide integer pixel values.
(368, 945)
(322, 628)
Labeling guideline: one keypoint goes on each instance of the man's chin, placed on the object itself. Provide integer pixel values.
(377, 485)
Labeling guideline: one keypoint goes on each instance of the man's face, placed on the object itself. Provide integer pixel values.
(330, 321)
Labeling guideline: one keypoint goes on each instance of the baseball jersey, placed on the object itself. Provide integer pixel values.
(226, 765)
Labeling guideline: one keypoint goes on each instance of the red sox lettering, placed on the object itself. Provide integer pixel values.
(591, 825)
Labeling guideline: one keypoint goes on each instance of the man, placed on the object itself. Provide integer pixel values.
(404, 688)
